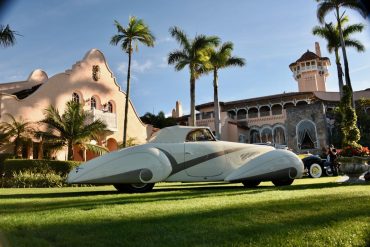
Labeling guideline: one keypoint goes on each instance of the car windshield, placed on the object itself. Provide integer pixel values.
(200, 135)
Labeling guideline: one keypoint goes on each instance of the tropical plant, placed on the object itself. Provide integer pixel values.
(73, 128)
(363, 120)
(16, 131)
(330, 32)
(7, 36)
(158, 121)
(326, 6)
(350, 132)
(194, 54)
(128, 37)
(219, 59)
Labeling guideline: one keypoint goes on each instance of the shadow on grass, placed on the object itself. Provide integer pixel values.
(289, 222)
(169, 187)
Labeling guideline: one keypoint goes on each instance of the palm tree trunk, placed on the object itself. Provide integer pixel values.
(70, 150)
(340, 73)
(345, 60)
(192, 100)
(127, 98)
(216, 104)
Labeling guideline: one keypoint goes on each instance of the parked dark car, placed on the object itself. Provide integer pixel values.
(315, 166)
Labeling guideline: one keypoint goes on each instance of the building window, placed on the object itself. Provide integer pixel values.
(277, 110)
(254, 136)
(242, 114)
(207, 115)
(253, 113)
(266, 135)
(264, 111)
(307, 136)
(92, 103)
(75, 98)
(110, 107)
(242, 138)
(279, 135)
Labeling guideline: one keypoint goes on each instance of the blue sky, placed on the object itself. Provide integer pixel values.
(268, 34)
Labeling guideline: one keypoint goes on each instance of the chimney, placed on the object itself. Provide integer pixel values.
(317, 48)
(177, 112)
(179, 108)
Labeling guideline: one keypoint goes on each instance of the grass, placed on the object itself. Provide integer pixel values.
(311, 212)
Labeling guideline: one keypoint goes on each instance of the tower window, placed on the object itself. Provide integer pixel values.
(93, 103)
(76, 97)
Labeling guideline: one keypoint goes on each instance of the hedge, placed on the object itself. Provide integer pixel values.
(3, 157)
(39, 166)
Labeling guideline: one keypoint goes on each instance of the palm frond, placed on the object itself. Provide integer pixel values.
(7, 36)
(180, 37)
(355, 44)
(323, 9)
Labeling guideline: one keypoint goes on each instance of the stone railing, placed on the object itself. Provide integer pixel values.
(110, 119)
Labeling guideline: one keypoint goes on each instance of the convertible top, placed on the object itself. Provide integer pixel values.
(174, 134)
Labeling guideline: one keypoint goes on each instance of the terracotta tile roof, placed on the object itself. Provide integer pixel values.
(307, 56)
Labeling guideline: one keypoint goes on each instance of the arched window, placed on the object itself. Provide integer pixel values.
(76, 97)
(264, 111)
(279, 135)
(307, 136)
(254, 136)
(266, 135)
(253, 113)
(92, 103)
(231, 114)
(277, 110)
(110, 107)
(242, 114)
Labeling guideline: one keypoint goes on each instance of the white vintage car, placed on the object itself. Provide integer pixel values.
(189, 154)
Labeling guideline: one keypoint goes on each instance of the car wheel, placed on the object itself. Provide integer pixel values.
(134, 188)
(283, 182)
(251, 184)
(315, 170)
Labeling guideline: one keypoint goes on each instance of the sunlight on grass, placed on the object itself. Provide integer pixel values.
(311, 212)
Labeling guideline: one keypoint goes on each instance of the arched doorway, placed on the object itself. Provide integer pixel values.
(306, 135)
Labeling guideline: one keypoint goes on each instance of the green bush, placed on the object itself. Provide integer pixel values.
(29, 179)
(38, 166)
(3, 157)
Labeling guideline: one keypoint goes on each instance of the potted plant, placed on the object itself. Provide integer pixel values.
(353, 158)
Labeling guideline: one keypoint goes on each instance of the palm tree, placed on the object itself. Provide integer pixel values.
(220, 59)
(73, 127)
(17, 132)
(193, 53)
(331, 34)
(326, 6)
(7, 36)
(129, 37)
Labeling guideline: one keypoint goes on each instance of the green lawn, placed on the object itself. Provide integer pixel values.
(311, 212)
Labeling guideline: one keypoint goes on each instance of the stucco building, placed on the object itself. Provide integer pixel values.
(301, 120)
(89, 82)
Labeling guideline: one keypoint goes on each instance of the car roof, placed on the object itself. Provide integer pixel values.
(173, 134)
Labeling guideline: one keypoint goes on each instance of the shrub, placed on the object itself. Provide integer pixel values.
(38, 166)
(29, 179)
(3, 157)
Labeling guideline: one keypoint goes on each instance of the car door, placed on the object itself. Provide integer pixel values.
(204, 156)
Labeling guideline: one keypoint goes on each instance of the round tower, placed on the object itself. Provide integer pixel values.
(311, 70)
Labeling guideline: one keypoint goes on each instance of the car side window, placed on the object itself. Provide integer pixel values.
(200, 135)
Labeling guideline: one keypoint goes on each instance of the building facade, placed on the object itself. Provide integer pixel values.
(89, 82)
(302, 121)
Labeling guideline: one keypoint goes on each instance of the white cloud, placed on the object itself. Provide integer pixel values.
(136, 67)
(360, 68)
(165, 40)
(140, 68)
(164, 63)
